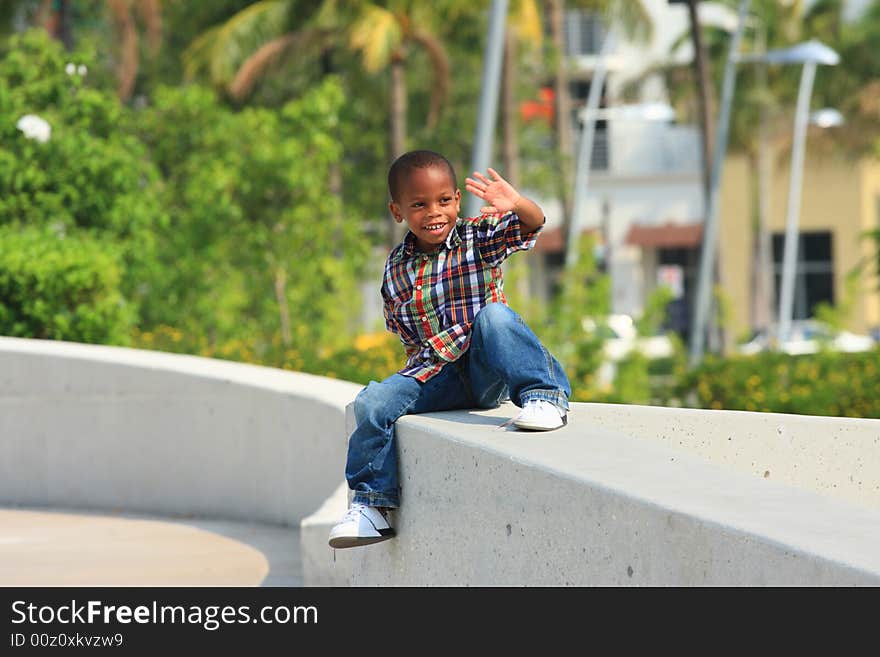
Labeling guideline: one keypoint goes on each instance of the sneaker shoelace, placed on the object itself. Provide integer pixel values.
(532, 406)
(353, 512)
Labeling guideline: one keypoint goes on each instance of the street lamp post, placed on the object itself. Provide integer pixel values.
(585, 150)
(703, 301)
(488, 111)
(810, 54)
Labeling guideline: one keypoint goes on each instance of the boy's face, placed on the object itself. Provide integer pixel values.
(429, 203)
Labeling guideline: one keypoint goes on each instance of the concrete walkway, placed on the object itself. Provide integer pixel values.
(62, 547)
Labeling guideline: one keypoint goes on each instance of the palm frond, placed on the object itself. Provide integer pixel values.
(257, 64)
(221, 50)
(376, 34)
(197, 56)
(244, 34)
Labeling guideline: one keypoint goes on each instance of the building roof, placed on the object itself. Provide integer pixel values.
(667, 236)
(551, 241)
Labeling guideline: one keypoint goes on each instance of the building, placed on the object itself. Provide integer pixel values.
(839, 203)
(645, 172)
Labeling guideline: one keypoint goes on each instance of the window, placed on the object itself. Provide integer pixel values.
(584, 32)
(814, 274)
(580, 92)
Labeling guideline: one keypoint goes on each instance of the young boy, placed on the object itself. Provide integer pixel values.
(442, 293)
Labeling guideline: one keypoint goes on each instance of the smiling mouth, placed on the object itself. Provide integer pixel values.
(433, 228)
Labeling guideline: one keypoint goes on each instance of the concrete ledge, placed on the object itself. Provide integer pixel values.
(622, 495)
(588, 505)
(97, 427)
(835, 456)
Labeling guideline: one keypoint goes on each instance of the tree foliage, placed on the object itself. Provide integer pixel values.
(91, 175)
(222, 222)
(251, 209)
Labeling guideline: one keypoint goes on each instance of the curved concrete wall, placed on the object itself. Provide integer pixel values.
(111, 428)
(624, 495)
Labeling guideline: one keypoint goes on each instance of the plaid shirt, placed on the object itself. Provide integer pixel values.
(430, 299)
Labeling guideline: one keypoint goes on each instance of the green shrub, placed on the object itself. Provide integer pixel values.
(826, 383)
(258, 239)
(61, 288)
(92, 175)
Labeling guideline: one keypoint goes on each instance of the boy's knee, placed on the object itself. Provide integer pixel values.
(365, 400)
(385, 399)
(495, 314)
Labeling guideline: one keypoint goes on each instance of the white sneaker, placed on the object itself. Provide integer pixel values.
(361, 525)
(541, 415)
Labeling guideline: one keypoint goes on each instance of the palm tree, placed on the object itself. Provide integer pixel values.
(383, 36)
(704, 94)
(241, 51)
(237, 53)
(124, 14)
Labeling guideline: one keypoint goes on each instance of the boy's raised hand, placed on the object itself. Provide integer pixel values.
(499, 193)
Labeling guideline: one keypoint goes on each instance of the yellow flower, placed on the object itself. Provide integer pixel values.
(369, 341)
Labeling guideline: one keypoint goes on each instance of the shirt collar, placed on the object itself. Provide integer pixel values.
(407, 248)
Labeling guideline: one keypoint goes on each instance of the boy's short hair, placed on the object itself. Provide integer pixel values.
(422, 159)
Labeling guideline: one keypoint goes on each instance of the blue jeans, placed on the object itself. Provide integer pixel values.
(505, 359)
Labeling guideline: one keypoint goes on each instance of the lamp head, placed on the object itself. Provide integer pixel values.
(802, 53)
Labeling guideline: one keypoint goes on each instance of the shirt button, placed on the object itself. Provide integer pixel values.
(424, 318)
(418, 287)
(442, 350)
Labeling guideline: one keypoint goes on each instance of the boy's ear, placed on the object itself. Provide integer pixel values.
(395, 212)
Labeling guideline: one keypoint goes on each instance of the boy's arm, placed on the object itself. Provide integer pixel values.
(503, 198)
(390, 321)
